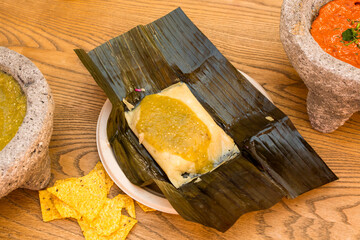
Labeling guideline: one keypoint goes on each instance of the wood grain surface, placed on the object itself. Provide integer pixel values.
(247, 33)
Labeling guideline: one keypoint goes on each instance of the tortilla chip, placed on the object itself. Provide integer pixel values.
(126, 224)
(86, 195)
(108, 180)
(108, 220)
(59, 181)
(128, 204)
(145, 208)
(65, 210)
(89, 233)
(48, 209)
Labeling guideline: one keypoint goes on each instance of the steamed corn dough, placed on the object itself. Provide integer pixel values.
(179, 134)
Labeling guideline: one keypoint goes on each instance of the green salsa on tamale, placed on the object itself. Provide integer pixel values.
(170, 125)
(12, 108)
(179, 134)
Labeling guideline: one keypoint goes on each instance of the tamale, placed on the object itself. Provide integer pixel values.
(179, 134)
(275, 161)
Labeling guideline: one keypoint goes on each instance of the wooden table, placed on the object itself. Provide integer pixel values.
(247, 33)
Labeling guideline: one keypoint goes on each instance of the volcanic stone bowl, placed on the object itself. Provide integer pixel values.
(334, 86)
(25, 161)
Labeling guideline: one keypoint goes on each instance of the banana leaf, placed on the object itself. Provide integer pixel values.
(275, 160)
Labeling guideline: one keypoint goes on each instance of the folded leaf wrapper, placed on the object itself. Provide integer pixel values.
(275, 161)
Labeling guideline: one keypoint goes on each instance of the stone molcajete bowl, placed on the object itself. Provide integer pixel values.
(25, 161)
(334, 86)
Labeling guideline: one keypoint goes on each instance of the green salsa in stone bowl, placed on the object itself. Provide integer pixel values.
(26, 119)
(12, 108)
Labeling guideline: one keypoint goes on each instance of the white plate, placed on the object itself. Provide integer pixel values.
(111, 166)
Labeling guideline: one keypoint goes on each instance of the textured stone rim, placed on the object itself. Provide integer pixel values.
(321, 72)
(24, 161)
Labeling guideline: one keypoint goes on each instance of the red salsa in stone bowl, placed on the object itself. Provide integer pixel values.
(334, 84)
(337, 30)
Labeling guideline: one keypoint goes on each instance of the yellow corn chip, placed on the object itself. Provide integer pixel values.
(63, 180)
(108, 180)
(126, 224)
(65, 210)
(108, 220)
(48, 209)
(128, 204)
(89, 233)
(86, 195)
(145, 208)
